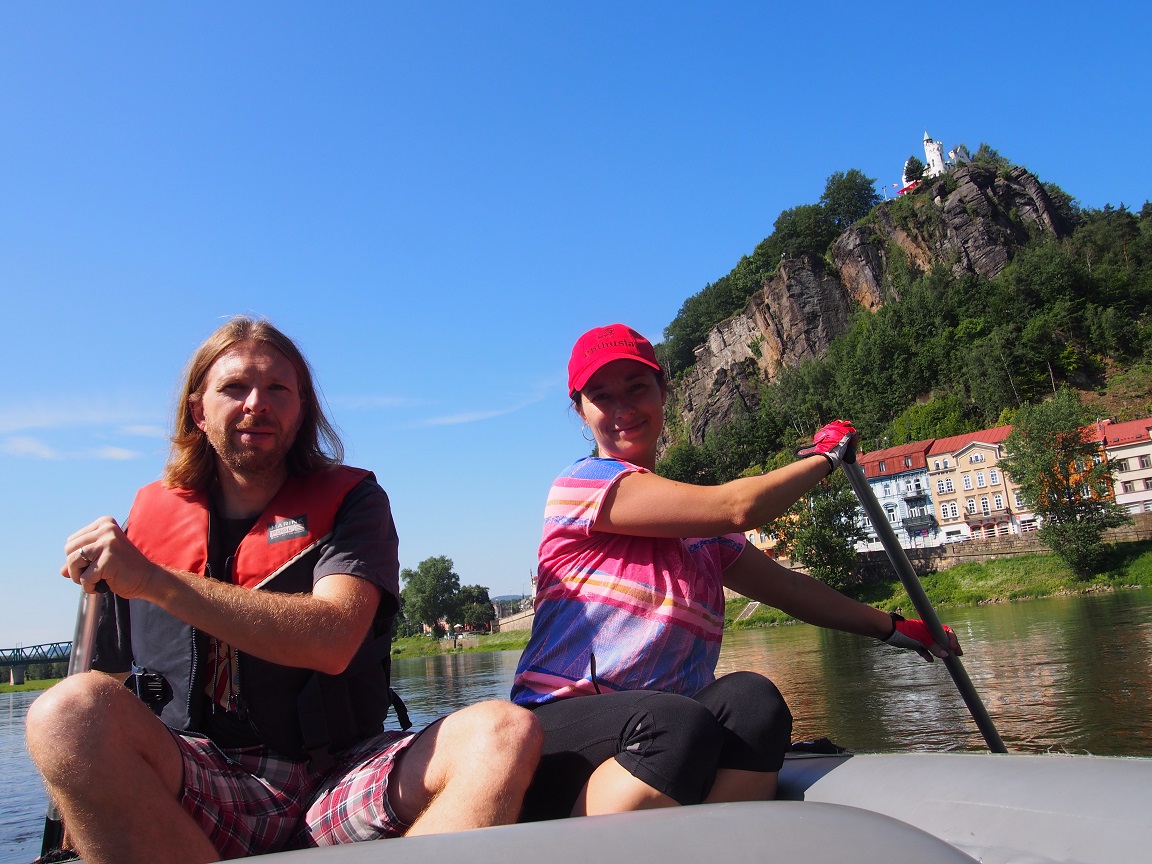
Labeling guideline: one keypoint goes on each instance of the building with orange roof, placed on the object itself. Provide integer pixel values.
(1128, 447)
(947, 490)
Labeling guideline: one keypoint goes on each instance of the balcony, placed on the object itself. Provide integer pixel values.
(981, 516)
(918, 523)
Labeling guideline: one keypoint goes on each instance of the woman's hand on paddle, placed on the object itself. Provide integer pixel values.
(836, 442)
(101, 552)
(914, 635)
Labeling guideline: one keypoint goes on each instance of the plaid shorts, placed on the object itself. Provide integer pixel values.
(251, 801)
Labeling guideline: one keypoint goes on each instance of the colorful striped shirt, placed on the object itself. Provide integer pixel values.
(619, 612)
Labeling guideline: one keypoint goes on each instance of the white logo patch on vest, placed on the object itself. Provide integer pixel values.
(288, 529)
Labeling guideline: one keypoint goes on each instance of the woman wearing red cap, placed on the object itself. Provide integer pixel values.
(630, 608)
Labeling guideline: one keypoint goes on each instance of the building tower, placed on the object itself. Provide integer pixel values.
(933, 157)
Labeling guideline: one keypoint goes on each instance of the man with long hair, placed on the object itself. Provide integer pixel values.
(254, 589)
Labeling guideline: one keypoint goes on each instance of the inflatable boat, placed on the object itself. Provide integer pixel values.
(842, 809)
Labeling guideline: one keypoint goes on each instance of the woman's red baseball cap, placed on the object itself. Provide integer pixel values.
(602, 345)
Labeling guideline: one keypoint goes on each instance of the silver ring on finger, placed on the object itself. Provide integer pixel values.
(84, 557)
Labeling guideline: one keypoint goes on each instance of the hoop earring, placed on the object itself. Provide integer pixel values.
(586, 428)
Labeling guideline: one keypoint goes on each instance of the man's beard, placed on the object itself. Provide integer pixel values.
(250, 463)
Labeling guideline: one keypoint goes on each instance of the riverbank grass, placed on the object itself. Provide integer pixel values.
(38, 684)
(424, 646)
(1002, 580)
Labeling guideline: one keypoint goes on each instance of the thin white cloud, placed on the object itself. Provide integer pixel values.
(480, 416)
(71, 412)
(117, 454)
(469, 417)
(23, 445)
(368, 402)
(145, 431)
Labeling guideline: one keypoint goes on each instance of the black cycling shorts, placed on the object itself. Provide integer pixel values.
(673, 743)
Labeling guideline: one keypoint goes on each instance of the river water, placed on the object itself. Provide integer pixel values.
(1071, 675)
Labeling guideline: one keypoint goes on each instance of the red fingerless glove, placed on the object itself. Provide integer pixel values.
(832, 442)
(915, 636)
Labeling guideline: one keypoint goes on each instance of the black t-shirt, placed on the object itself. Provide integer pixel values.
(225, 727)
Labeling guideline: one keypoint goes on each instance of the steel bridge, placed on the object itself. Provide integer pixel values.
(53, 652)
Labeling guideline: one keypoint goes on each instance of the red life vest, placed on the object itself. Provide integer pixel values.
(170, 526)
(295, 710)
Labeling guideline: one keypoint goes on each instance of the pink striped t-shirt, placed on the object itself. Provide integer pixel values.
(648, 612)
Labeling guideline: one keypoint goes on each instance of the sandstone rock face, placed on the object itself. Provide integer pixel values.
(973, 228)
(971, 220)
(794, 317)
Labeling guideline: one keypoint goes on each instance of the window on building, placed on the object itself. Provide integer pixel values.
(1019, 499)
(940, 486)
(993, 477)
(976, 457)
(907, 461)
(1121, 464)
(945, 463)
(998, 502)
(936, 465)
(1148, 483)
(971, 505)
(1097, 458)
(891, 511)
(954, 510)
(984, 506)
(967, 481)
(949, 486)
(887, 489)
(883, 466)
(1027, 525)
(1146, 461)
(980, 479)
(1128, 486)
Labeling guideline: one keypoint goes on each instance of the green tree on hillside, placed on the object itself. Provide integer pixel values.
(431, 592)
(938, 418)
(820, 531)
(987, 155)
(803, 230)
(848, 197)
(1064, 479)
(914, 169)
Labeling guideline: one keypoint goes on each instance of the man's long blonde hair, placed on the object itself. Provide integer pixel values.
(192, 461)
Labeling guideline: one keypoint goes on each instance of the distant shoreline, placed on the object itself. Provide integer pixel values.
(1002, 580)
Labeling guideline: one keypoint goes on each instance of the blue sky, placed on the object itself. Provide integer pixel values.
(435, 199)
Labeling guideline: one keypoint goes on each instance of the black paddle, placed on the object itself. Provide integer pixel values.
(80, 660)
(911, 582)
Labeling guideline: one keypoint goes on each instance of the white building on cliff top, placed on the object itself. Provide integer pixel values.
(934, 164)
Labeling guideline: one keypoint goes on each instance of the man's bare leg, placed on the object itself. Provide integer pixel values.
(469, 770)
(115, 772)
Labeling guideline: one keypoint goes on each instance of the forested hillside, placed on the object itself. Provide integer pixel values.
(930, 315)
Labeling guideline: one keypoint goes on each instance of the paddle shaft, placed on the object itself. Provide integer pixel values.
(79, 660)
(911, 583)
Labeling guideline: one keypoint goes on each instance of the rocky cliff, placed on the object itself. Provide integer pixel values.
(971, 220)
